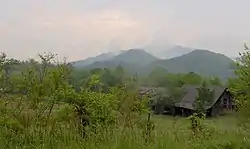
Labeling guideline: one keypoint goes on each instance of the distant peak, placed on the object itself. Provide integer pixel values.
(136, 50)
(204, 51)
(178, 46)
(200, 50)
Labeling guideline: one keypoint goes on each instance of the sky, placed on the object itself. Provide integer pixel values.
(77, 29)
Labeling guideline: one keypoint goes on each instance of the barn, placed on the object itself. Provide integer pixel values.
(221, 103)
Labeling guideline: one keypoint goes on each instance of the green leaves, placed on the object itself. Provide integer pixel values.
(204, 98)
(240, 87)
(161, 78)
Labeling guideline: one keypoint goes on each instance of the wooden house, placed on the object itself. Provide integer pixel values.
(222, 101)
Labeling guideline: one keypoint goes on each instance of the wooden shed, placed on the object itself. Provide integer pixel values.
(222, 101)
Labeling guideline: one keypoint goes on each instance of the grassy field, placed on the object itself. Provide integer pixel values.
(169, 133)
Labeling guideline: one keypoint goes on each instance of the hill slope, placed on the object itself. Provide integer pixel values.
(167, 51)
(130, 59)
(203, 62)
(135, 56)
(176, 51)
(89, 61)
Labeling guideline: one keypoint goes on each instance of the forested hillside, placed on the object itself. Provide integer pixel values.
(91, 60)
(131, 59)
(176, 51)
(199, 61)
(202, 62)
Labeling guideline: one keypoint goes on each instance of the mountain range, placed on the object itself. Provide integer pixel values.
(177, 60)
(90, 60)
(167, 52)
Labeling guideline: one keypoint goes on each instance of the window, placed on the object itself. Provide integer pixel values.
(225, 103)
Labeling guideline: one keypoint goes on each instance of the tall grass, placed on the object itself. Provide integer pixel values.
(169, 133)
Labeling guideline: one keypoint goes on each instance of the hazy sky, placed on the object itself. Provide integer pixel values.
(80, 28)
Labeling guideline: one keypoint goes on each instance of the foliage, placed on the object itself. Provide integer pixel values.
(196, 122)
(216, 81)
(166, 97)
(240, 87)
(6, 68)
(176, 93)
(107, 77)
(129, 59)
(161, 78)
(158, 77)
(42, 88)
(204, 99)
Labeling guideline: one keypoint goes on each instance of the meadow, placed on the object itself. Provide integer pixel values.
(168, 133)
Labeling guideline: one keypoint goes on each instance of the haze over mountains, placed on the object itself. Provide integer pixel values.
(176, 59)
(167, 52)
(160, 52)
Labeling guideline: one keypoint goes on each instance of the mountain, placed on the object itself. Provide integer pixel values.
(132, 60)
(167, 51)
(132, 68)
(131, 56)
(176, 51)
(203, 62)
(135, 56)
(157, 50)
(89, 61)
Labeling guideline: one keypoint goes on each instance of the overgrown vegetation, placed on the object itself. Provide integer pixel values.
(204, 99)
(48, 104)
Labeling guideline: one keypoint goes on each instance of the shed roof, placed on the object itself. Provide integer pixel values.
(192, 92)
(189, 98)
(146, 90)
(151, 90)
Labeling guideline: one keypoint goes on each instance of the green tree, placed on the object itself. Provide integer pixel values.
(158, 77)
(192, 78)
(240, 87)
(167, 97)
(215, 81)
(119, 76)
(159, 99)
(7, 66)
(78, 78)
(176, 94)
(204, 98)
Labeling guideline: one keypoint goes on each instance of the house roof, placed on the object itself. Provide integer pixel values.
(191, 94)
(146, 90)
(151, 90)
